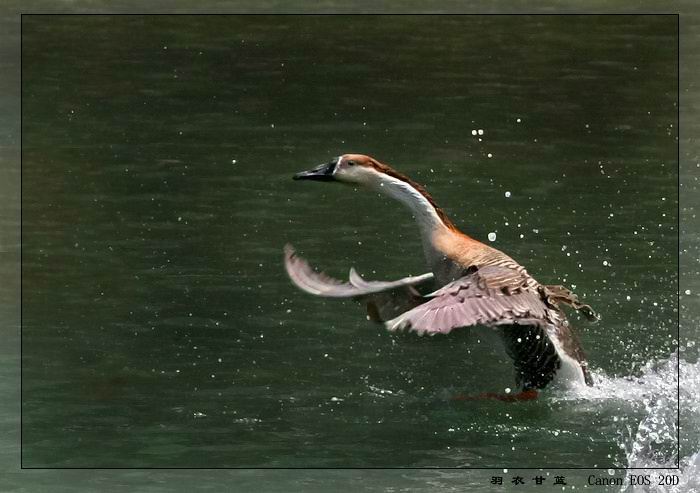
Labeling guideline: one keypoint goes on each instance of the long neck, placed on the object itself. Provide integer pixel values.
(429, 217)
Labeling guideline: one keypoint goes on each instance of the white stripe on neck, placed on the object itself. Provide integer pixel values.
(424, 212)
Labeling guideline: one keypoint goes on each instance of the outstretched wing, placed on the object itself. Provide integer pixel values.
(489, 295)
(384, 299)
(533, 328)
(561, 294)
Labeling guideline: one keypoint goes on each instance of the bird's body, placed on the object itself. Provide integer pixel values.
(477, 284)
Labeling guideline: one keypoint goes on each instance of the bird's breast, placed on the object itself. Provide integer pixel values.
(453, 254)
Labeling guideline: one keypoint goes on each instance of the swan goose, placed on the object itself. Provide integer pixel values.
(477, 285)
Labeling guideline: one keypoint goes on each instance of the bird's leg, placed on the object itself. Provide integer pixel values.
(525, 395)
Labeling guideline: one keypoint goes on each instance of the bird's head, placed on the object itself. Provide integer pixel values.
(349, 168)
(358, 169)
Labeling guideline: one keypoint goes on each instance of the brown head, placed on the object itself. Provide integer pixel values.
(348, 168)
(366, 171)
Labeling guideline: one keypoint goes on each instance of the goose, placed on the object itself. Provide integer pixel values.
(476, 285)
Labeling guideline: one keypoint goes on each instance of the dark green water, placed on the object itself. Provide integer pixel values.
(159, 328)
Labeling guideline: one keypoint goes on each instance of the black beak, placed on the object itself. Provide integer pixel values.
(324, 172)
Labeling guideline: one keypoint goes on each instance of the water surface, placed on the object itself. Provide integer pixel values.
(159, 328)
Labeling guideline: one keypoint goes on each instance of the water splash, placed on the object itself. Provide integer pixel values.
(651, 443)
(654, 443)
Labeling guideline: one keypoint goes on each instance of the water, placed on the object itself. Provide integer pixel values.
(160, 329)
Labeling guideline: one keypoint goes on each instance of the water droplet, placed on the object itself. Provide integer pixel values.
(492, 236)
(507, 194)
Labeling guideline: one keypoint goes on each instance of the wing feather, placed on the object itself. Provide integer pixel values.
(525, 312)
(489, 296)
(384, 299)
(320, 284)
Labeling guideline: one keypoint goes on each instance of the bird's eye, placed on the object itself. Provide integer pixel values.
(351, 163)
